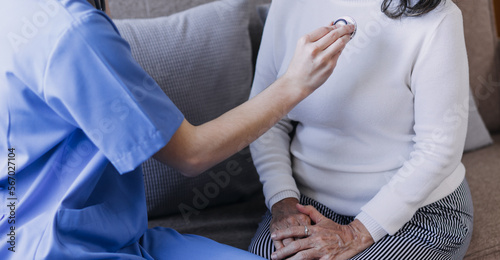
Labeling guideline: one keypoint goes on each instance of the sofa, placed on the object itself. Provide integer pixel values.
(202, 53)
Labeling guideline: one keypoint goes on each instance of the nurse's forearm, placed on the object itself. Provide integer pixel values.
(200, 147)
(193, 149)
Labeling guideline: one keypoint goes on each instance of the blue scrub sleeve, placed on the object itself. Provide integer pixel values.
(93, 82)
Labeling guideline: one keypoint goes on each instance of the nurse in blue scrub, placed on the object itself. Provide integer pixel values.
(73, 136)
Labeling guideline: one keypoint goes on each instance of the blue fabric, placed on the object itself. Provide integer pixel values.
(181, 246)
(82, 116)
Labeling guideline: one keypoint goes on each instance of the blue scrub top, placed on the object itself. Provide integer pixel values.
(80, 116)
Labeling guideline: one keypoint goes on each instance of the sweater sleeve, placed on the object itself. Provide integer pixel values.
(271, 152)
(439, 83)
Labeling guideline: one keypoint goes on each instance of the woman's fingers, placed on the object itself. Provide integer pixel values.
(292, 232)
(293, 248)
(309, 210)
(278, 244)
(306, 254)
(287, 241)
(286, 215)
(324, 240)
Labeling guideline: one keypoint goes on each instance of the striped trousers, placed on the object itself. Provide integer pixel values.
(441, 230)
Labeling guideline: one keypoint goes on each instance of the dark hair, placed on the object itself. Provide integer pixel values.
(404, 8)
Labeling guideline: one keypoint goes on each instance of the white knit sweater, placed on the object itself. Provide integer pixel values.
(385, 134)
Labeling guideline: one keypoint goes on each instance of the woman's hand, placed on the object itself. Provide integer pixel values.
(316, 56)
(325, 239)
(285, 216)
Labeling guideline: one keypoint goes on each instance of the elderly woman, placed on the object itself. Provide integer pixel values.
(376, 152)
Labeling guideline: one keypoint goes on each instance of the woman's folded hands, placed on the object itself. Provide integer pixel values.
(285, 216)
(323, 240)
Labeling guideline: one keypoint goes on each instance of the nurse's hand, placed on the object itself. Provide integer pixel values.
(326, 239)
(316, 56)
(286, 215)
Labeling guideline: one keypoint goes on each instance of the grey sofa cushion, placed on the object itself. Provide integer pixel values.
(125, 9)
(202, 60)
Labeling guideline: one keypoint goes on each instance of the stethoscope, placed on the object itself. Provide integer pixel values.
(345, 20)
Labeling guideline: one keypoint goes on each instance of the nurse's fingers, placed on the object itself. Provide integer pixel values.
(330, 38)
(334, 50)
(318, 33)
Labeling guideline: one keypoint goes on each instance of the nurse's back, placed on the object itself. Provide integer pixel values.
(66, 194)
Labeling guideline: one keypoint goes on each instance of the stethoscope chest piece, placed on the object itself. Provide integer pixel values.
(345, 20)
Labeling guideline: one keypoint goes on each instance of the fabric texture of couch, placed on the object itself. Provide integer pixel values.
(202, 56)
(185, 54)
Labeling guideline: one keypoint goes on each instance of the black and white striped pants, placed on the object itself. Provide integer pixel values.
(441, 230)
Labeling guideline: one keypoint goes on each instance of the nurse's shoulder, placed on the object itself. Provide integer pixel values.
(36, 29)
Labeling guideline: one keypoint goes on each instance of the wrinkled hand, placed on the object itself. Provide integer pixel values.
(286, 215)
(316, 56)
(327, 239)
